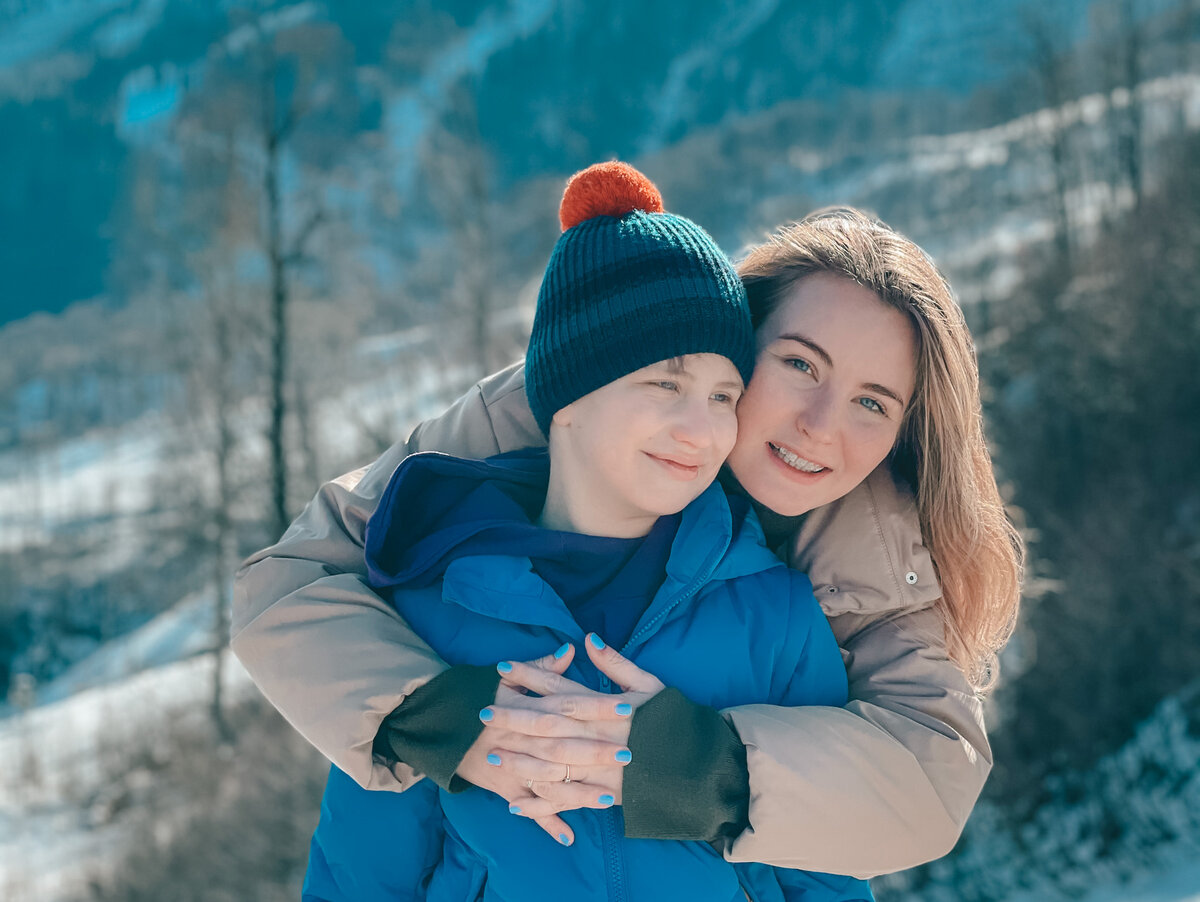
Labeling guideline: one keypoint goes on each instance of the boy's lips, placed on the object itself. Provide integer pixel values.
(682, 467)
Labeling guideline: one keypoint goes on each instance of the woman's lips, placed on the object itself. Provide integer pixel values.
(794, 464)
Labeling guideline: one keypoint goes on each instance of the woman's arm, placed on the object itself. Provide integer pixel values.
(905, 759)
(883, 784)
(888, 781)
(329, 653)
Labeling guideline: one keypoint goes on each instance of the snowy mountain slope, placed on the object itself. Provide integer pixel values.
(57, 824)
(60, 823)
(1132, 819)
(1180, 883)
(559, 83)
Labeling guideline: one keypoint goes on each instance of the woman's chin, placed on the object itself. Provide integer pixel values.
(780, 495)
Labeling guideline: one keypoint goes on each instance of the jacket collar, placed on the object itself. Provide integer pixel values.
(711, 544)
(864, 552)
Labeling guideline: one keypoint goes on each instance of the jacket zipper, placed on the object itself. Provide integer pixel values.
(691, 590)
(611, 837)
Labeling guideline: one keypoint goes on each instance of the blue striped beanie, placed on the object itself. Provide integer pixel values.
(628, 285)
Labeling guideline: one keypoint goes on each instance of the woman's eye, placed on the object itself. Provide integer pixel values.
(872, 405)
(799, 363)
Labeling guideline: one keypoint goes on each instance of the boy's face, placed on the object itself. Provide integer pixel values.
(645, 445)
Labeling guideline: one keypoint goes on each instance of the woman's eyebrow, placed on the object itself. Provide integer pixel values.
(810, 344)
(884, 390)
(824, 355)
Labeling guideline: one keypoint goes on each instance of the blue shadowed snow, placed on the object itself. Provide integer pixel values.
(46, 26)
(183, 631)
(122, 33)
(149, 104)
(1178, 884)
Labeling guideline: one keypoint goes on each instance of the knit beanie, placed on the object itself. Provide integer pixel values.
(628, 285)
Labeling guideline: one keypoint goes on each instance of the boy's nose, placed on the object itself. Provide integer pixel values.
(693, 425)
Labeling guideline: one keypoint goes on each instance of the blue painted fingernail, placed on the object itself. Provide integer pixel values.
(493, 759)
(514, 809)
(597, 642)
(624, 709)
(486, 714)
(562, 838)
(504, 667)
(624, 756)
(562, 650)
(606, 800)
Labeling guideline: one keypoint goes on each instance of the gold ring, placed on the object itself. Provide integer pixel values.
(567, 778)
(529, 784)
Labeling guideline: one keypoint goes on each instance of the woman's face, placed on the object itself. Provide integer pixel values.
(835, 373)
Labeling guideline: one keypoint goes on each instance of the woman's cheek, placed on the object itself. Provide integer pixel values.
(870, 445)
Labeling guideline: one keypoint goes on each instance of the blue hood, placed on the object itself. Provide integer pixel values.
(436, 506)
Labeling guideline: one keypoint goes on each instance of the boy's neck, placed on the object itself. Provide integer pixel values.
(568, 510)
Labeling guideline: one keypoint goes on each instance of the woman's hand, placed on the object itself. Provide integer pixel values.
(530, 740)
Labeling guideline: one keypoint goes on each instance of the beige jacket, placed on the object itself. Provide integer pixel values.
(883, 784)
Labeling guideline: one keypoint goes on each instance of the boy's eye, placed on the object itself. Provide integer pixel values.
(723, 397)
(666, 384)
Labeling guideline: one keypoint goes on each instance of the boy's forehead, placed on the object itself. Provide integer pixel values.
(680, 365)
(673, 364)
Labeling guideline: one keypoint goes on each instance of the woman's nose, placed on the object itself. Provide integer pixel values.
(818, 417)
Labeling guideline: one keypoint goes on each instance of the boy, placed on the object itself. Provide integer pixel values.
(640, 348)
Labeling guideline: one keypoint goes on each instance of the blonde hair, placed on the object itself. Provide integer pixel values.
(940, 449)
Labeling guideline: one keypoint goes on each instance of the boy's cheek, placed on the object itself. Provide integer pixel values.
(727, 439)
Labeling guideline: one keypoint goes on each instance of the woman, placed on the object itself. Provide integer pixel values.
(882, 784)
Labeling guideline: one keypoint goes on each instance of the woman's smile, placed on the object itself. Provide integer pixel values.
(795, 462)
(836, 367)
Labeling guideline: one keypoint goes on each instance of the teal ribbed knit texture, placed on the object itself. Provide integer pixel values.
(623, 293)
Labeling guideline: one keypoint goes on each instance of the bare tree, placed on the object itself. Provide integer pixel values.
(279, 118)
(275, 89)
(1050, 68)
(210, 333)
(459, 170)
(1123, 36)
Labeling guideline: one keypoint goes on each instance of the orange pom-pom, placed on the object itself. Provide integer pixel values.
(607, 189)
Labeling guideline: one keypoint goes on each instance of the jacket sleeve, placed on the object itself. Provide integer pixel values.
(886, 782)
(325, 649)
(882, 784)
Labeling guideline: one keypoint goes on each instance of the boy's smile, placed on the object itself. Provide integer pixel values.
(641, 447)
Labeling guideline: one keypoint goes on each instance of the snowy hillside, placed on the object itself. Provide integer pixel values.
(62, 781)
(61, 823)
(1133, 819)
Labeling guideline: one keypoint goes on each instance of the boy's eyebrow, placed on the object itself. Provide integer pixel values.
(824, 355)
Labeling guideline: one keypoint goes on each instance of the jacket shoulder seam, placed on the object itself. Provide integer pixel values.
(887, 552)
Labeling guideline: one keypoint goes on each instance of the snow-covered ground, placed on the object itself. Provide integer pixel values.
(56, 829)
(1178, 884)
(55, 758)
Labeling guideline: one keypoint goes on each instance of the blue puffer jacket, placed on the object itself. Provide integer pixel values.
(730, 625)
